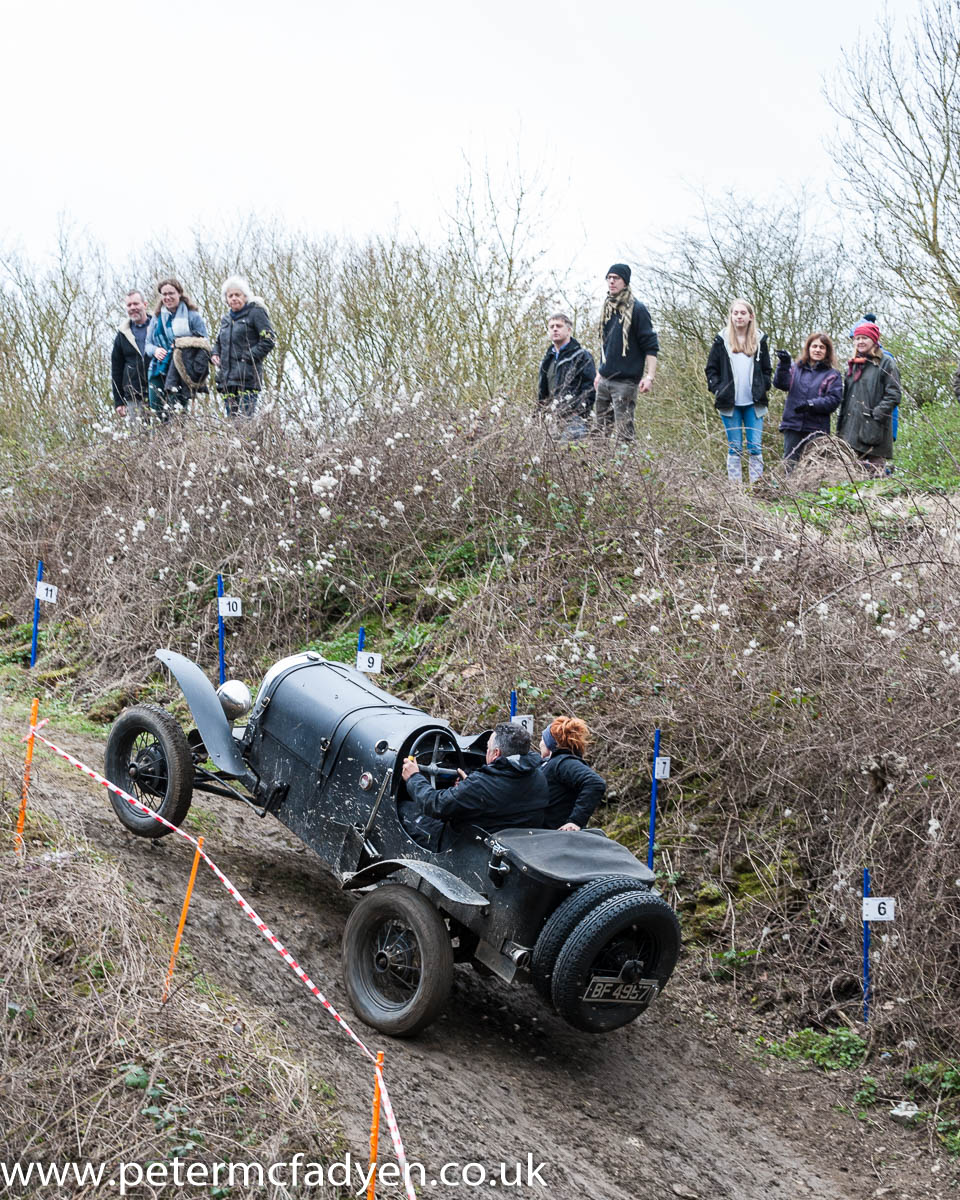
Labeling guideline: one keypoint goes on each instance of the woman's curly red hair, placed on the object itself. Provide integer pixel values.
(571, 734)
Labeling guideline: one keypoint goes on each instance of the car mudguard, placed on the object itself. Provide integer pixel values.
(445, 882)
(212, 724)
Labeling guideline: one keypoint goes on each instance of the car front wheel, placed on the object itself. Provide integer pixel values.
(397, 961)
(147, 755)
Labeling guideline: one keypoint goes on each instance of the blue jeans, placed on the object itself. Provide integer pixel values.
(742, 423)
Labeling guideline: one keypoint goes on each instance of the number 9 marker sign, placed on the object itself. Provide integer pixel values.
(371, 664)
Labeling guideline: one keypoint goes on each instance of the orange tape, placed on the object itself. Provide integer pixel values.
(22, 817)
(375, 1131)
(183, 918)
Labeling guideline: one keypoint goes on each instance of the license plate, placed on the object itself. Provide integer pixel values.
(607, 989)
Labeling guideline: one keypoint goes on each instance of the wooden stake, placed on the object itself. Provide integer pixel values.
(21, 819)
(183, 919)
(375, 1132)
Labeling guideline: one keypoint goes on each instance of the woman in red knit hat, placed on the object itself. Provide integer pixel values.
(871, 392)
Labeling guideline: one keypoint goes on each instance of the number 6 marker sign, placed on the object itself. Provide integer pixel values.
(879, 908)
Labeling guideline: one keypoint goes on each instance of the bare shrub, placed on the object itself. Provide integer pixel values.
(93, 1070)
(804, 676)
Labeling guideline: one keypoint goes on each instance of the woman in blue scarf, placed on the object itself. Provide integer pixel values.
(176, 316)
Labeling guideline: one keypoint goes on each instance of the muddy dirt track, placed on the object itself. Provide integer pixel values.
(672, 1105)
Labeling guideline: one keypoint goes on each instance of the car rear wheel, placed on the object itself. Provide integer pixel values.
(397, 961)
(147, 755)
(616, 962)
(563, 921)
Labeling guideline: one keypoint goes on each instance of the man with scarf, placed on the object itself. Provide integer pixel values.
(628, 355)
(871, 392)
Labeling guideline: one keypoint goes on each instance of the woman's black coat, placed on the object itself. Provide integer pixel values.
(575, 789)
(719, 372)
(244, 341)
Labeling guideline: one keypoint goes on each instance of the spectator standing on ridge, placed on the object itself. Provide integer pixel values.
(870, 318)
(871, 392)
(177, 348)
(739, 374)
(628, 355)
(575, 788)
(814, 389)
(244, 341)
(128, 362)
(565, 386)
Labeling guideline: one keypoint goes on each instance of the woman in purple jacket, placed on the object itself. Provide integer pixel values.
(814, 389)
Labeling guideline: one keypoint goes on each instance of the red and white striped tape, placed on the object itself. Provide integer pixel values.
(261, 926)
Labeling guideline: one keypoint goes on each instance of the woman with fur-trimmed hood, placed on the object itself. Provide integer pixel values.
(244, 341)
(871, 392)
(177, 349)
(739, 374)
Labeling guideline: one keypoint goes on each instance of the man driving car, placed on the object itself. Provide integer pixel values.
(507, 792)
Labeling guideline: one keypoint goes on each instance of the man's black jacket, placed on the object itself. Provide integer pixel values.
(509, 793)
(641, 341)
(567, 377)
(128, 368)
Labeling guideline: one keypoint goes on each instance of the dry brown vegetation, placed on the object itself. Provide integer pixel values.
(93, 1069)
(805, 679)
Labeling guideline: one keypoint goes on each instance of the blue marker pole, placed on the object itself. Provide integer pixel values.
(653, 799)
(223, 670)
(866, 951)
(361, 639)
(36, 616)
(513, 704)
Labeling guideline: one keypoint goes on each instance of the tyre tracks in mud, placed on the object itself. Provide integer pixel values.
(670, 1105)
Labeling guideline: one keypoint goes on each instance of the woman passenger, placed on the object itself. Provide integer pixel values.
(575, 788)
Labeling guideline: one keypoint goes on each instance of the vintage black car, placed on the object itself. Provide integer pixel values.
(575, 914)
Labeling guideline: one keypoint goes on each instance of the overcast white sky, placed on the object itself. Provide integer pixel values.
(136, 119)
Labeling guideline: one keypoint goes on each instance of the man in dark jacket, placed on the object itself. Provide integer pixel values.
(128, 366)
(628, 356)
(507, 792)
(565, 386)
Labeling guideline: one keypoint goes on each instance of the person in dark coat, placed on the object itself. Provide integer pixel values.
(244, 341)
(814, 389)
(565, 385)
(507, 792)
(871, 391)
(871, 318)
(177, 349)
(739, 375)
(575, 789)
(128, 362)
(628, 356)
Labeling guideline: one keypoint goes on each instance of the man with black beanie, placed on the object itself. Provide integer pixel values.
(628, 355)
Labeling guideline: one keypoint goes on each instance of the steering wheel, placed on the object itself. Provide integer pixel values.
(435, 743)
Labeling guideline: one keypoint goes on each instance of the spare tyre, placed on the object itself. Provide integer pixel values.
(563, 921)
(616, 962)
